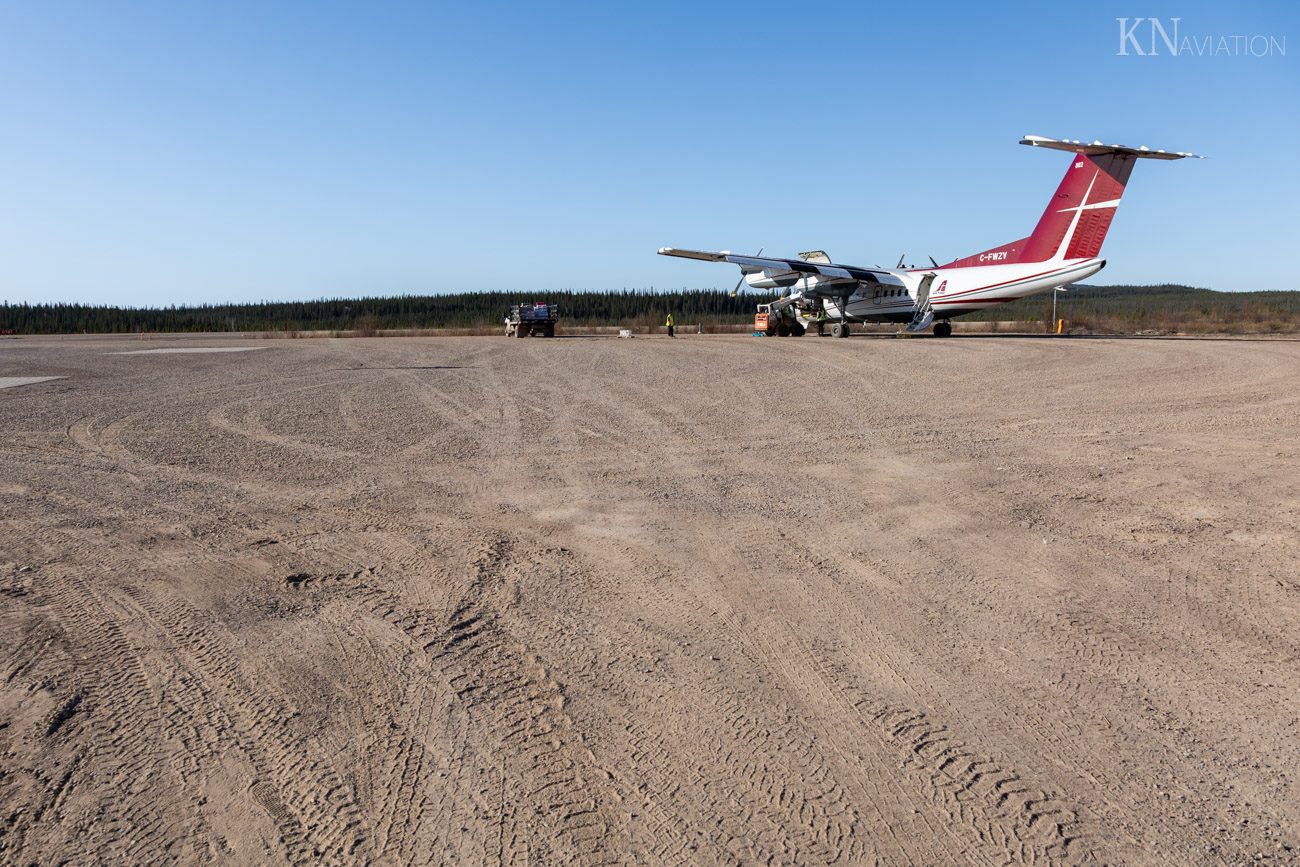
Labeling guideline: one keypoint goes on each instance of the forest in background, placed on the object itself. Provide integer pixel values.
(459, 310)
(1103, 309)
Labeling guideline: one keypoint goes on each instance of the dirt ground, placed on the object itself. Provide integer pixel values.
(711, 600)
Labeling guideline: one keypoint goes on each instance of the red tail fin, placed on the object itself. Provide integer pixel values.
(1076, 220)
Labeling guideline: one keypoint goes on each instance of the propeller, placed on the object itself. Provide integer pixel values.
(900, 261)
(736, 291)
(934, 263)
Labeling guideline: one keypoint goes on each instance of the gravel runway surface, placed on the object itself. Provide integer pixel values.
(709, 600)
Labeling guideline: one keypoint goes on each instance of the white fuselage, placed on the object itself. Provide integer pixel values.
(951, 291)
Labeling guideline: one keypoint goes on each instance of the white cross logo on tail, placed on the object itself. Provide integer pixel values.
(1078, 212)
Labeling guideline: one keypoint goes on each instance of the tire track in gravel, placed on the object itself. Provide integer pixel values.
(378, 685)
(1019, 833)
(679, 452)
(1001, 824)
(211, 708)
(414, 813)
(782, 780)
(122, 717)
(402, 388)
(314, 810)
(825, 827)
(1106, 668)
(1021, 824)
(551, 799)
(1081, 833)
(1053, 735)
(558, 776)
(1053, 722)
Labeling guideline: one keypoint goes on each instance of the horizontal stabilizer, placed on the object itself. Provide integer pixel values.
(1096, 148)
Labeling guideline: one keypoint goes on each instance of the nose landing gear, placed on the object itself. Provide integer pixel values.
(943, 329)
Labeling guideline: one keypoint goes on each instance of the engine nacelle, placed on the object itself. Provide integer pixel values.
(772, 278)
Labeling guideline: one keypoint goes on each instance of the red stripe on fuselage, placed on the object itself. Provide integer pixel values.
(950, 298)
(964, 297)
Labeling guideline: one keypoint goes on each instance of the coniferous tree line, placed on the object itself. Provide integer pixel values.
(1140, 301)
(479, 309)
(463, 310)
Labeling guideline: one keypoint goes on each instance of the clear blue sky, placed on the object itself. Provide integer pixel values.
(171, 153)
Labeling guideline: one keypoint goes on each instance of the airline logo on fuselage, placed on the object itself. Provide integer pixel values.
(942, 287)
(993, 257)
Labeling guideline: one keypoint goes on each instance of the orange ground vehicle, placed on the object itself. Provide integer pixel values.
(778, 319)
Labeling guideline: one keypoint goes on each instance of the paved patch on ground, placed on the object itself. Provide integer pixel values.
(15, 381)
(191, 350)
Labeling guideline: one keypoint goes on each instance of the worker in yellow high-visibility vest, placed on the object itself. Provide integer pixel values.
(669, 323)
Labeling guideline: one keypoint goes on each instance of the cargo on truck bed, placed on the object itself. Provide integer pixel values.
(537, 319)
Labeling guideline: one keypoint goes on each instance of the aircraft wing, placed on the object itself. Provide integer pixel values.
(759, 263)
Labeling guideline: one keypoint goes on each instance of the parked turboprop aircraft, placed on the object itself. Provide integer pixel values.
(1063, 249)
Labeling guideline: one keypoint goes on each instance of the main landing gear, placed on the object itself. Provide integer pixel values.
(943, 329)
(840, 329)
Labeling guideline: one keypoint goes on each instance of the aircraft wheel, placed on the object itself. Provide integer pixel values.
(943, 329)
(840, 329)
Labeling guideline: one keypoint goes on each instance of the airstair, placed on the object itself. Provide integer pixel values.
(924, 313)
